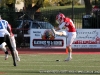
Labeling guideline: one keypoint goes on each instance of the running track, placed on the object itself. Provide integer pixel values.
(55, 51)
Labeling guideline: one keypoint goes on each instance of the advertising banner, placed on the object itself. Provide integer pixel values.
(87, 38)
(44, 38)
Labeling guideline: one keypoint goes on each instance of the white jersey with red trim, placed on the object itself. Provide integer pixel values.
(3, 28)
(68, 24)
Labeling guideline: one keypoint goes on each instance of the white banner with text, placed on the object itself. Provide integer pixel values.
(87, 38)
(44, 38)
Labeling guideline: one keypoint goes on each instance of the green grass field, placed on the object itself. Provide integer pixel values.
(43, 64)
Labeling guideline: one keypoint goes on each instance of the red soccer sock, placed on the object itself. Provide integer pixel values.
(66, 51)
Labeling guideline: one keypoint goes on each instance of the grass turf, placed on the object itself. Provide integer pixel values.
(43, 64)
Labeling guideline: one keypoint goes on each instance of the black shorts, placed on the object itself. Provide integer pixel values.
(2, 40)
(6, 39)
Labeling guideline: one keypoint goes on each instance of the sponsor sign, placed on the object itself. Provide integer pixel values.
(44, 38)
(87, 38)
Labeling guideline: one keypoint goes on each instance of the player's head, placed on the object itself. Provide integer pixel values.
(60, 18)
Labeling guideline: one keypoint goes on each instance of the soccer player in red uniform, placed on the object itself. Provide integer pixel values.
(70, 33)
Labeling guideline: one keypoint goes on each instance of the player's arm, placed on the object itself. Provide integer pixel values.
(60, 27)
(61, 33)
(57, 28)
(8, 28)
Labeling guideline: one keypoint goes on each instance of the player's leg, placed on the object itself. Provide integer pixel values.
(9, 44)
(69, 53)
(56, 32)
(14, 46)
(70, 40)
(3, 47)
(60, 33)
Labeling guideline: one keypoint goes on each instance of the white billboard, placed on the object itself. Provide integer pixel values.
(87, 38)
(44, 38)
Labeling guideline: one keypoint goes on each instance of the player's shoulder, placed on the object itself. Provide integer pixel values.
(67, 18)
(4, 20)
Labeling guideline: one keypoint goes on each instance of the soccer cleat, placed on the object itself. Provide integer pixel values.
(14, 64)
(6, 56)
(68, 59)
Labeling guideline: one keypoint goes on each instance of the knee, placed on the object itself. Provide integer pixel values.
(69, 48)
(3, 45)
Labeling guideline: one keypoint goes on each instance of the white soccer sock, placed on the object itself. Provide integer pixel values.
(16, 52)
(70, 54)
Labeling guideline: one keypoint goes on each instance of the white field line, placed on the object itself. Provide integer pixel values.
(54, 65)
(58, 71)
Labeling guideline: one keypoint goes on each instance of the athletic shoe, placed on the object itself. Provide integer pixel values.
(68, 59)
(6, 56)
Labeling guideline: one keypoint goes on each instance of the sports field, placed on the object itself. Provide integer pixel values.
(46, 64)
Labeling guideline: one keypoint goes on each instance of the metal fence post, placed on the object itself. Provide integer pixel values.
(72, 10)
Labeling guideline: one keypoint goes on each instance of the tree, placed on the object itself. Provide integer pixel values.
(10, 4)
(88, 6)
(31, 10)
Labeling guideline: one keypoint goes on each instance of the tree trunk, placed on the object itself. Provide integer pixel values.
(31, 10)
(88, 6)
